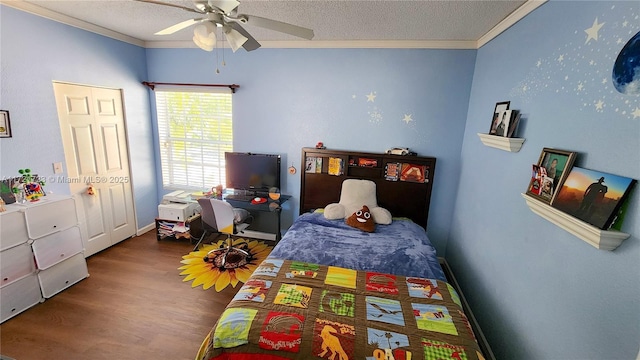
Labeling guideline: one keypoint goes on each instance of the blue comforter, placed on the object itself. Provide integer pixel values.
(401, 248)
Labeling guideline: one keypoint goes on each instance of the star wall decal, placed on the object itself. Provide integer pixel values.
(581, 65)
(407, 118)
(592, 32)
(375, 115)
(599, 105)
(371, 97)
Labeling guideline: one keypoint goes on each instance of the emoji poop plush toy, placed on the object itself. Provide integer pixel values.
(362, 220)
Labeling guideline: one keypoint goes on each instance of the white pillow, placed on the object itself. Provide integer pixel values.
(334, 211)
(354, 194)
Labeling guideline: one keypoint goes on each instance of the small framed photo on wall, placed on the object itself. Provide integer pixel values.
(5, 124)
(498, 113)
(553, 167)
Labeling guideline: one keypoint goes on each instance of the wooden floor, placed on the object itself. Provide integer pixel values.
(134, 305)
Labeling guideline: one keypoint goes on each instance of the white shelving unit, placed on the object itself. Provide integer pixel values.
(601, 239)
(501, 142)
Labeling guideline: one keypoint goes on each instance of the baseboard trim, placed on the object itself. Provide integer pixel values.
(482, 341)
(146, 229)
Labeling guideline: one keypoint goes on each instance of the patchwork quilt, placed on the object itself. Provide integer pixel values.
(295, 310)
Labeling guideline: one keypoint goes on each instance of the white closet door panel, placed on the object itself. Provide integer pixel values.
(63, 275)
(15, 263)
(86, 161)
(13, 229)
(119, 211)
(57, 247)
(50, 217)
(19, 296)
(112, 148)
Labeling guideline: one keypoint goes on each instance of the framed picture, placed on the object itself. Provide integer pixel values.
(549, 173)
(5, 124)
(593, 196)
(498, 111)
(513, 124)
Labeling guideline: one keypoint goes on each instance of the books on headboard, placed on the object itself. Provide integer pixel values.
(313, 165)
(336, 166)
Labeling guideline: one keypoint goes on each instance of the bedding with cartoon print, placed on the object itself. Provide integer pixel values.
(294, 310)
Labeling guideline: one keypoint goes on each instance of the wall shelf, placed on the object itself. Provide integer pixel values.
(501, 142)
(601, 239)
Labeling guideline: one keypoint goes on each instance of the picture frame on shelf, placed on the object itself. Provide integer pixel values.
(552, 168)
(502, 129)
(592, 196)
(5, 124)
(513, 124)
(498, 111)
(538, 173)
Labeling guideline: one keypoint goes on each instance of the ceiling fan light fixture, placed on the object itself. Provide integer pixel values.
(204, 36)
(235, 38)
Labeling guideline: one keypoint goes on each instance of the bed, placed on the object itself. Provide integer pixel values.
(330, 291)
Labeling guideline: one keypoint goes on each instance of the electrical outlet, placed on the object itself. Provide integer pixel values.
(57, 168)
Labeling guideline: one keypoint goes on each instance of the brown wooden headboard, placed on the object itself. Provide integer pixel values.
(408, 196)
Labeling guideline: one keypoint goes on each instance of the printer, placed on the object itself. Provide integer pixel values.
(177, 206)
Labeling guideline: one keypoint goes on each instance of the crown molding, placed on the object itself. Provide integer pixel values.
(514, 17)
(323, 44)
(71, 21)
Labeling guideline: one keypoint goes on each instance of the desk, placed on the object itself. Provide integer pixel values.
(266, 217)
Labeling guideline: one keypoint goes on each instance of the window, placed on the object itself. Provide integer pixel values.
(194, 131)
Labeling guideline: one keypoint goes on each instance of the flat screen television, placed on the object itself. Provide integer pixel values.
(254, 172)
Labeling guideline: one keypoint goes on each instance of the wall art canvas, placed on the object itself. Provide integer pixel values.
(594, 197)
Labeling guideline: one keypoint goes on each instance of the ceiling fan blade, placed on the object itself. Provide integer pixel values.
(251, 44)
(173, 5)
(179, 26)
(225, 5)
(277, 26)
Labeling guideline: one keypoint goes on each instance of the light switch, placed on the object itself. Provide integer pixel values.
(57, 168)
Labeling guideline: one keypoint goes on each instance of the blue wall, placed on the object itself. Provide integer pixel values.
(538, 291)
(34, 53)
(289, 99)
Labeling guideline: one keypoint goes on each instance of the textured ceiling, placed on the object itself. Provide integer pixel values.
(332, 21)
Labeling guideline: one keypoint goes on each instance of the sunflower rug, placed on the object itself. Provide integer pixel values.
(206, 267)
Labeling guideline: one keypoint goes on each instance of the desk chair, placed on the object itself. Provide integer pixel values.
(219, 216)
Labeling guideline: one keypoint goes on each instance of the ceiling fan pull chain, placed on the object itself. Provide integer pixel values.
(217, 49)
(223, 62)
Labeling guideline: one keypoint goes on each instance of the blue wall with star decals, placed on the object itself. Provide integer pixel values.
(350, 99)
(538, 291)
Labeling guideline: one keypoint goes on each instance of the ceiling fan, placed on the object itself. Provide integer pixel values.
(224, 14)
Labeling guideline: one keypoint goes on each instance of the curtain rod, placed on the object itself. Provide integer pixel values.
(152, 85)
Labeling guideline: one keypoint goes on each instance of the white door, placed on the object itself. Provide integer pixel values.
(95, 148)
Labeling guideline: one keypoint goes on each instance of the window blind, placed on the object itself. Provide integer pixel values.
(195, 129)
